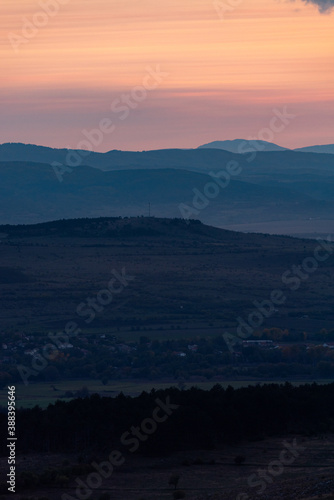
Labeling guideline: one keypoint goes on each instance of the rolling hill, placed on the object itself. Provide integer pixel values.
(30, 193)
(283, 192)
(210, 272)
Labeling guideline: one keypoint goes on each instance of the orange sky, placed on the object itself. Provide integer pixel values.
(226, 73)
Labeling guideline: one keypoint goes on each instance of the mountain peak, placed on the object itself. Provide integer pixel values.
(242, 146)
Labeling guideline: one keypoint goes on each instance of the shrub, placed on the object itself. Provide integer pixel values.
(62, 480)
(179, 494)
(28, 479)
(80, 469)
(239, 460)
(174, 480)
(198, 461)
(48, 476)
(104, 496)
(3, 488)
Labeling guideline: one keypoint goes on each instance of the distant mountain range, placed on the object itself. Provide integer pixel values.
(131, 159)
(282, 192)
(241, 146)
(326, 148)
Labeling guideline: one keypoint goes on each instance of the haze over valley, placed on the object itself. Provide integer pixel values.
(277, 192)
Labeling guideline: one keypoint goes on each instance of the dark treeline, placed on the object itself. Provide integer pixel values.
(204, 419)
(96, 227)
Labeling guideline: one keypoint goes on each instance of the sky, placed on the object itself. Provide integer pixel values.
(146, 74)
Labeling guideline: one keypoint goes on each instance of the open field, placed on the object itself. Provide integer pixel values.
(207, 475)
(184, 276)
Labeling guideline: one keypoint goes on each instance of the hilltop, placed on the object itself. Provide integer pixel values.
(242, 146)
(184, 273)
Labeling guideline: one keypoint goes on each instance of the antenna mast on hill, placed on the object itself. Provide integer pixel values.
(149, 209)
